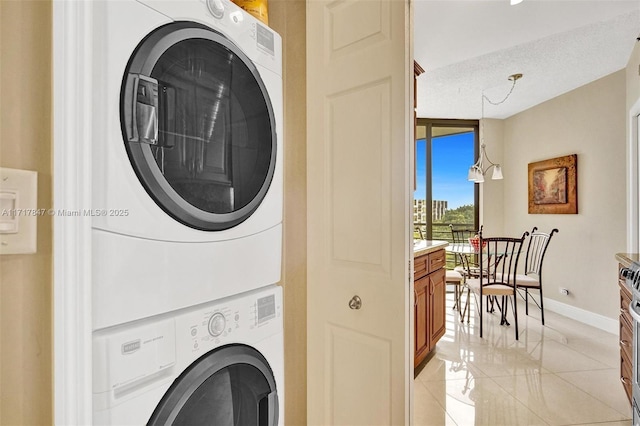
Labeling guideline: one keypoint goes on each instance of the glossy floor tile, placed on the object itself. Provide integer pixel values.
(563, 373)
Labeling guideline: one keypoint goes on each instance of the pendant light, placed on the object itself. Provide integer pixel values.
(482, 166)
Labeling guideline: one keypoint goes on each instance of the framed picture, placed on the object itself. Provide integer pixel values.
(553, 186)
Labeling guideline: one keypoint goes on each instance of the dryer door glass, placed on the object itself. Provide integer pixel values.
(198, 126)
(232, 396)
(232, 385)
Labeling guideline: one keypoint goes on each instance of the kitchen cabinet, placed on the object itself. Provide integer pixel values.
(429, 307)
(626, 337)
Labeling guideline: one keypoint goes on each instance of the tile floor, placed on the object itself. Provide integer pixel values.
(565, 373)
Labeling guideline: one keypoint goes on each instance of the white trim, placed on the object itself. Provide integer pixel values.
(72, 41)
(610, 325)
(633, 187)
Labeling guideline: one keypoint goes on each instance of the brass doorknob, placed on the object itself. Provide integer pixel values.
(355, 302)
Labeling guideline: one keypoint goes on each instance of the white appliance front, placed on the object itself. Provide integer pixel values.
(217, 363)
(187, 149)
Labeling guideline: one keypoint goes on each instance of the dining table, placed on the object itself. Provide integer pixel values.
(467, 255)
(464, 252)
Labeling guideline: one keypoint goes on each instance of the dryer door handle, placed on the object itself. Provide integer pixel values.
(141, 109)
(268, 410)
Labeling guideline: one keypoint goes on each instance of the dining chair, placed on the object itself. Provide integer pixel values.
(456, 279)
(499, 258)
(532, 277)
(461, 236)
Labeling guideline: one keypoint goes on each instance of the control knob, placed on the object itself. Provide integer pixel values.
(216, 8)
(217, 324)
(627, 273)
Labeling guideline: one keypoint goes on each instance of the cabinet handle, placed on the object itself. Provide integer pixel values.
(624, 343)
(625, 380)
(415, 297)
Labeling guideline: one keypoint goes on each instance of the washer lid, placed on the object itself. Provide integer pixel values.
(231, 385)
(198, 126)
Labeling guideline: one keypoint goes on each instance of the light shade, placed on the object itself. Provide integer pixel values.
(497, 172)
(472, 174)
(513, 2)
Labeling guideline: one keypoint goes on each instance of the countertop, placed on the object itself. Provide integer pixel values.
(627, 258)
(422, 247)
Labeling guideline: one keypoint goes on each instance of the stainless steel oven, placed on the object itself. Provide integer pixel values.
(632, 277)
(634, 310)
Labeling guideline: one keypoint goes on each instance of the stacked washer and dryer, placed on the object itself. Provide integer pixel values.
(187, 235)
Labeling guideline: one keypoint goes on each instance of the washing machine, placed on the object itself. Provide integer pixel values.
(187, 156)
(216, 364)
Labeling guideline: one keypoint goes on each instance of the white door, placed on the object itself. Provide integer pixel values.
(359, 128)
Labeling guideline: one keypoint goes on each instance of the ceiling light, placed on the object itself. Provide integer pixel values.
(478, 170)
(514, 2)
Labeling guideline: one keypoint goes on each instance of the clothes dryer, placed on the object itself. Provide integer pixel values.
(213, 364)
(187, 156)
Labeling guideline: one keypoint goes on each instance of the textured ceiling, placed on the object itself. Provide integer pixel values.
(470, 47)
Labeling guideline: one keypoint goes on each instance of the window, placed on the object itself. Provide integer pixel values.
(445, 149)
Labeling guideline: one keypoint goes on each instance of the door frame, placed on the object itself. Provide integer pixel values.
(72, 125)
(633, 179)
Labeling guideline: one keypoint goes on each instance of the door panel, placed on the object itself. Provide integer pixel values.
(359, 128)
(348, 370)
(437, 320)
(360, 234)
(422, 344)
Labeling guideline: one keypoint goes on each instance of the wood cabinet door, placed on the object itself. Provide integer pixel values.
(437, 317)
(421, 329)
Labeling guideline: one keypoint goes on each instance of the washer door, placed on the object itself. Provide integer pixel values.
(232, 385)
(198, 126)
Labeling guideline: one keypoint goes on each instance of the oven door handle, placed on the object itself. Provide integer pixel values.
(632, 310)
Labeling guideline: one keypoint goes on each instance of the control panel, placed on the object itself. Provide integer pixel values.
(234, 320)
(632, 276)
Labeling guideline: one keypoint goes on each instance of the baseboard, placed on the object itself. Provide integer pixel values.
(607, 324)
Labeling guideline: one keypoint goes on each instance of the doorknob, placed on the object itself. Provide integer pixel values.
(355, 302)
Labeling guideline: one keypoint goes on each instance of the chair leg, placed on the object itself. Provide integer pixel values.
(467, 306)
(480, 314)
(490, 304)
(526, 301)
(515, 313)
(504, 308)
(541, 304)
(456, 297)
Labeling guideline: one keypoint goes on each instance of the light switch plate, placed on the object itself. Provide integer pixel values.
(19, 211)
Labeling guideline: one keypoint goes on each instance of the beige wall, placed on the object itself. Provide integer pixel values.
(633, 77)
(287, 17)
(491, 213)
(26, 280)
(633, 101)
(589, 122)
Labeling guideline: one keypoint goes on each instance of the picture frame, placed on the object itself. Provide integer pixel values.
(553, 186)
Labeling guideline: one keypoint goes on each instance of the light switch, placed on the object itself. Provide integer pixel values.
(18, 211)
(8, 218)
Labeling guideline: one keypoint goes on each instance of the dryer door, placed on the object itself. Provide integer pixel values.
(198, 126)
(232, 385)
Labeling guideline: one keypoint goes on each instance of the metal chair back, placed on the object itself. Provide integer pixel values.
(499, 259)
(537, 248)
